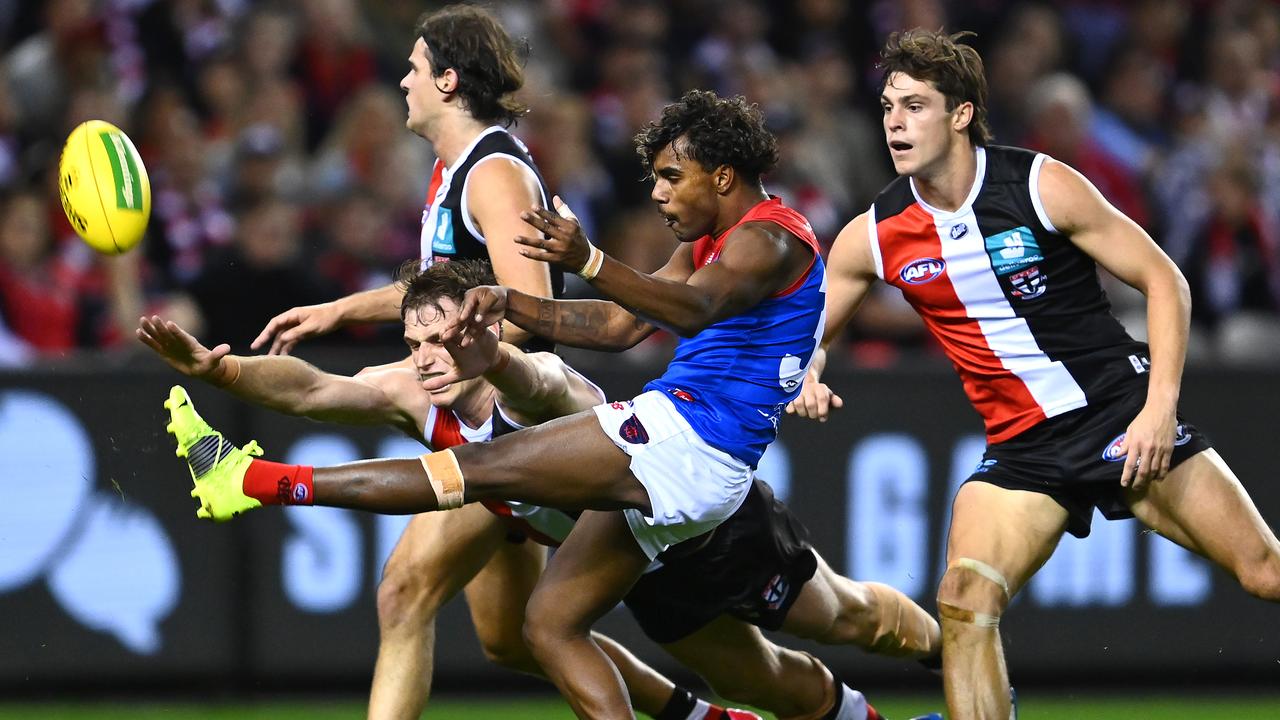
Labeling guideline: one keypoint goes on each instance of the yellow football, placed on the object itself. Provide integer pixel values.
(104, 187)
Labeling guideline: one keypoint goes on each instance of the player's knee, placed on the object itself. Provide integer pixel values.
(971, 591)
(405, 595)
(546, 627)
(508, 650)
(1262, 579)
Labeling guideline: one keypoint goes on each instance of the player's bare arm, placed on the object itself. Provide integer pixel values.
(290, 385)
(499, 191)
(1076, 208)
(590, 324)
(296, 324)
(851, 271)
(758, 259)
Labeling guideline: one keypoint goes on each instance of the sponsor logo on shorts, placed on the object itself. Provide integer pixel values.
(922, 270)
(985, 465)
(1112, 452)
(1013, 250)
(682, 394)
(299, 493)
(959, 230)
(633, 431)
(1140, 364)
(1182, 437)
(776, 591)
(1028, 284)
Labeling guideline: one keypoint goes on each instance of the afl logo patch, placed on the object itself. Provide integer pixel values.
(684, 395)
(921, 271)
(633, 432)
(1112, 452)
(959, 231)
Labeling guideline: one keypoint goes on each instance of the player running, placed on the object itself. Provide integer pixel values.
(700, 602)
(997, 249)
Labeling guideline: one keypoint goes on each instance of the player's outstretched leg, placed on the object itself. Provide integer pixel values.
(217, 467)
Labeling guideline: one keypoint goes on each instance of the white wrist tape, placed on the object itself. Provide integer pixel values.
(595, 261)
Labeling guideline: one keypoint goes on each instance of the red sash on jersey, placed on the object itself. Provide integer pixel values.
(446, 432)
(707, 248)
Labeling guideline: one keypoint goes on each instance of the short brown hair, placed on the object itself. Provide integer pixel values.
(489, 63)
(953, 68)
(426, 287)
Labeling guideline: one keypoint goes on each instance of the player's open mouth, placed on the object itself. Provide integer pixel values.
(900, 146)
(670, 220)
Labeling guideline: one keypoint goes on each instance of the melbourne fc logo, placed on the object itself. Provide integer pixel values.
(633, 432)
(1112, 452)
(922, 271)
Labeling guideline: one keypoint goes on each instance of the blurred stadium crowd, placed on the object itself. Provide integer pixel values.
(282, 173)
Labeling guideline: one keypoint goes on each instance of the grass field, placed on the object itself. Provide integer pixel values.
(1034, 706)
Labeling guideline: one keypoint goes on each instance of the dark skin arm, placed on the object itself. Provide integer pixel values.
(758, 259)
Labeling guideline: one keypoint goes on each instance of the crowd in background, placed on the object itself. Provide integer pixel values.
(282, 173)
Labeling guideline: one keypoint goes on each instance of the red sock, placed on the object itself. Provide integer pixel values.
(872, 714)
(277, 484)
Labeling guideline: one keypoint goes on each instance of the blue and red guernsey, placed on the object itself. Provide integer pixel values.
(1017, 306)
(732, 380)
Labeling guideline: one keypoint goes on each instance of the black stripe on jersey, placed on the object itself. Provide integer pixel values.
(457, 241)
(895, 198)
(1053, 285)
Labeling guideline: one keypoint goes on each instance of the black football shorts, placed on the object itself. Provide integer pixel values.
(751, 567)
(1075, 458)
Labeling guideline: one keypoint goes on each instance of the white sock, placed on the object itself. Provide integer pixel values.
(853, 706)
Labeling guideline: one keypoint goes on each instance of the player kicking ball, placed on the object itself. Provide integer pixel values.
(702, 602)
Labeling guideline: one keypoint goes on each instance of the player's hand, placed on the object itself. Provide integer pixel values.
(1148, 447)
(469, 362)
(178, 348)
(481, 307)
(291, 326)
(815, 400)
(564, 243)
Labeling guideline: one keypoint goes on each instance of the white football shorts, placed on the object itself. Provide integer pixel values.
(692, 486)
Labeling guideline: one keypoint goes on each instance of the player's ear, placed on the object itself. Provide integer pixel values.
(722, 177)
(962, 116)
(447, 81)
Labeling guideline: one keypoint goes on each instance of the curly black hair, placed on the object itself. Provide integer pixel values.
(426, 287)
(489, 63)
(717, 131)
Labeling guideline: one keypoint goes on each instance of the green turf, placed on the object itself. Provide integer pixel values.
(1034, 706)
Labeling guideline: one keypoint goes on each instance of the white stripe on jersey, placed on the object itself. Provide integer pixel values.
(1033, 181)
(466, 212)
(1008, 336)
(873, 234)
(432, 219)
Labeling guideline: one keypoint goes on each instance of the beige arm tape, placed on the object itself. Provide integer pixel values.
(959, 614)
(903, 628)
(445, 476)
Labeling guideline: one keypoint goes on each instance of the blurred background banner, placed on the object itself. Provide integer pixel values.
(106, 575)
